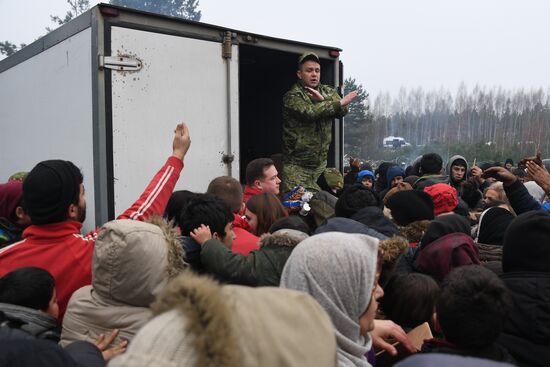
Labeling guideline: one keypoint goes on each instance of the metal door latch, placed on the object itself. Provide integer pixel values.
(121, 63)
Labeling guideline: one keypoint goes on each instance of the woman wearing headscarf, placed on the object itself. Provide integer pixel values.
(349, 292)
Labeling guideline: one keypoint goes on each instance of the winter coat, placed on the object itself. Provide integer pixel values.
(260, 268)
(200, 323)
(346, 225)
(520, 199)
(307, 125)
(244, 241)
(526, 334)
(429, 180)
(132, 262)
(60, 249)
(250, 191)
(34, 322)
(453, 250)
(414, 231)
(374, 218)
(23, 349)
(493, 352)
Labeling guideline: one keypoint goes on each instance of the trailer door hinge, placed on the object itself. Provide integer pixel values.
(228, 158)
(228, 37)
(121, 63)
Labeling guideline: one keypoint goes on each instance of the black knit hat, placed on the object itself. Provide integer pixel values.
(49, 189)
(410, 206)
(527, 243)
(493, 224)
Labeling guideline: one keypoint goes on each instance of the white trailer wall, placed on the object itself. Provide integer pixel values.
(182, 79)
(46, 111)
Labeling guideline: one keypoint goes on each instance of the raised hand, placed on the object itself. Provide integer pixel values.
(500, 174)
(348, 98)
(181, 142)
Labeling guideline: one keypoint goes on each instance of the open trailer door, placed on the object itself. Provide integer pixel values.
(267, 70)
(180, 78)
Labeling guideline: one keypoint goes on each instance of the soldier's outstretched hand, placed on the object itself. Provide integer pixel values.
(348, 98)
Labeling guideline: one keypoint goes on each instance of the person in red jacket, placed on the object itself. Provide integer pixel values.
(53, 195)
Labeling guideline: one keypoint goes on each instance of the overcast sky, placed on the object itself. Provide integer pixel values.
(387, 43)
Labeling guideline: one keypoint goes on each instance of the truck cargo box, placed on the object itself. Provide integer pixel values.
(106, 90)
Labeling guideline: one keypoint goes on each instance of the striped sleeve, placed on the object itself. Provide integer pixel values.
(155, 197)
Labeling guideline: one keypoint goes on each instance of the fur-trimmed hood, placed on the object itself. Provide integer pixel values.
(390, 251)
(391, 248)
(134, 260)
(283, 237)
(200, 323)
(415, 230)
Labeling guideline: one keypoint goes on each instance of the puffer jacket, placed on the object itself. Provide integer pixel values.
(260, 268)
(33, 322)
(132, 262)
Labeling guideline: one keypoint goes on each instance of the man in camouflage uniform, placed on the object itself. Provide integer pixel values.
(308, 111)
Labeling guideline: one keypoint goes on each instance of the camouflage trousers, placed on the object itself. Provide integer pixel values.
(294, 175)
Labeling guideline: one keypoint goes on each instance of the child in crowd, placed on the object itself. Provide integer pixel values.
(366, 178)
(471, 313)
(28, 302)
(211, 211)
(409, 300)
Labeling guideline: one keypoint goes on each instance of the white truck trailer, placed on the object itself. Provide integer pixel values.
(106, 90)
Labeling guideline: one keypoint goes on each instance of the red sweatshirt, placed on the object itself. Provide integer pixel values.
(244, 241)
(60, 248)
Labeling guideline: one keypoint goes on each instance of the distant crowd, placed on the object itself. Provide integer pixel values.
(436, 264)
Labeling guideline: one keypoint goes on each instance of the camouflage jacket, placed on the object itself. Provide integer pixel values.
(307, 125)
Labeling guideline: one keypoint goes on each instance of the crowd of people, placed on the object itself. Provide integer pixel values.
(253, 276)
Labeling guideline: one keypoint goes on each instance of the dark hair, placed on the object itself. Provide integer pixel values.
(290, 222)
(256, 168)
(459, 162)
(470, 193)
(472, 306)
(409, 299)
(380, 175)
(177, 202)
(518, 172)
(431, 164)
(229, 190)
(28, 287)
(267, 208)
(355, 198)
(205, 209)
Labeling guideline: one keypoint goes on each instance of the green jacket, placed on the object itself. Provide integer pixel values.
(262, 267)
(307, 125)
